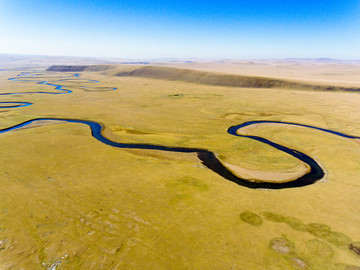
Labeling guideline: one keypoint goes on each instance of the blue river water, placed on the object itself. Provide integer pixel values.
(207, 157)
(10, 104)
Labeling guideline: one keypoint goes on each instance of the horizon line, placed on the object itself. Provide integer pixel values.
(167, 58)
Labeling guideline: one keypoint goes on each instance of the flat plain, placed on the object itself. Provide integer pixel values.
(68, 201)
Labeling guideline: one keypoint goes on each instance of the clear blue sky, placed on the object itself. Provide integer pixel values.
(238, 29)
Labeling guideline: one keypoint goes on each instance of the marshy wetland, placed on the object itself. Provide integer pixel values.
(152, 189)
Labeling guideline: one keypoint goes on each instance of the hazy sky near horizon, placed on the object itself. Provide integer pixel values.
(237, 29)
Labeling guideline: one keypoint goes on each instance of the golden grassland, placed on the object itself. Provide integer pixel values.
(70, 202)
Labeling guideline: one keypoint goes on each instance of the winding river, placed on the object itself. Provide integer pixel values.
(207, 157)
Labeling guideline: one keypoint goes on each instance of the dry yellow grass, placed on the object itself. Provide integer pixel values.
(70, 202)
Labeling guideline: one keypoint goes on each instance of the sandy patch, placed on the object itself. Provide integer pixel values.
(266, 176)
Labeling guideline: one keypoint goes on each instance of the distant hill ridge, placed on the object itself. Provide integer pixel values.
(79, 68)
(200, 77)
